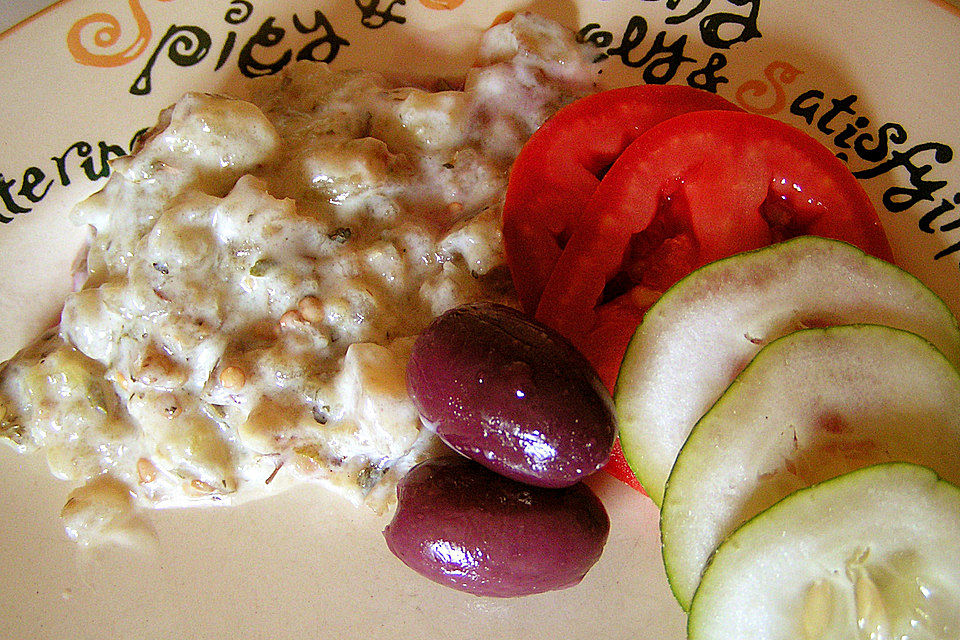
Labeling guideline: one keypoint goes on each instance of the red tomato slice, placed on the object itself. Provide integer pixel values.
(620, 469)
(604, 346)
(693, 189)
(561, 165)
(554, 176)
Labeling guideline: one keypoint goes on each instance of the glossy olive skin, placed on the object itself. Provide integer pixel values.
(464, 526)
(512, 394)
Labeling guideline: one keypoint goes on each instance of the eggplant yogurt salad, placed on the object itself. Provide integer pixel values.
(258, 271)
(350, 281)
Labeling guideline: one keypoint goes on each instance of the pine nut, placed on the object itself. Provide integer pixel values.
(233, 378)
(146, 470)
(311, 309)
(201, 487)
(290, 319)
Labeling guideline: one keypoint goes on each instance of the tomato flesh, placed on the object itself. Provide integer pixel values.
(604, 346)
(620, 469)
(562, 165)
(709, 184)
(621, 194)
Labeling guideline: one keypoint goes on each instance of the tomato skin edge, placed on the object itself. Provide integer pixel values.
(620, 469)
(605, 348)
(561, 165)
(627, 199)
(554, 227)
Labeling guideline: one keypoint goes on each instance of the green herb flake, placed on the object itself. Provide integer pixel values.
(341, 235)
(370, 476)
(261, 267)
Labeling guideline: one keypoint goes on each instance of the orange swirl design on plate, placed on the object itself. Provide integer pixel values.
(107, 35)
(777, 74)
(441, 5)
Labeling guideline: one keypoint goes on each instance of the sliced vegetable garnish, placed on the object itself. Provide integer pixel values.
(562, 164)
(695, 188)
(869, 554)
(810, 406)
(701, 333)
(552, 179)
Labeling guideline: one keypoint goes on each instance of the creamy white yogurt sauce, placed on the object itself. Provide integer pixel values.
(257, 273)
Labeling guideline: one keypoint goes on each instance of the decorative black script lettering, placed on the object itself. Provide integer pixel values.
(661, 61)
(715, 27)
(328, 39)
(885, 151)
(267, 36)
(238, 12)
(34, 184)
(945, 206)
(663, 58)
(186, 46)
(189, 45)
(707, 78)
(897, 199)
(373, 17)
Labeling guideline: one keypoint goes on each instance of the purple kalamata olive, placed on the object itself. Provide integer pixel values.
(512, 394)
(464, 526)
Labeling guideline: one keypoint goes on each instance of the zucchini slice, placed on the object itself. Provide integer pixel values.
(810, 406)
(706, 328)
(869, 554)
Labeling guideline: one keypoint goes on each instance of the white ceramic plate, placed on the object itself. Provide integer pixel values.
(876, 80)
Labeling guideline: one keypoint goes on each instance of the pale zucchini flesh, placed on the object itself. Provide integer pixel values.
(810, 406)
(705, 329)
(869, 554)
